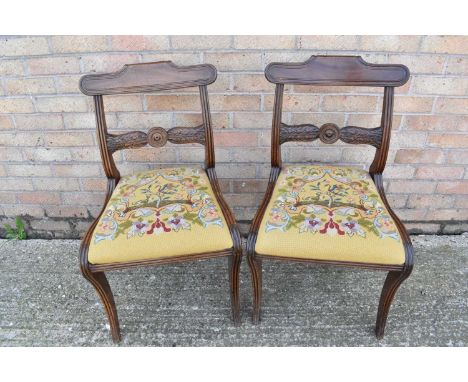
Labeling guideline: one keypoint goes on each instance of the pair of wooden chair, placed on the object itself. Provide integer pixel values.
(311, 213)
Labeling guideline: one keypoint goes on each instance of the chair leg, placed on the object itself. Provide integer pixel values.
(256, 271)
(100, 283)
(392, 283)
(234, 270)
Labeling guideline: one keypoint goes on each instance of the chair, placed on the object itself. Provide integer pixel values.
(161, 216)
(324, 214)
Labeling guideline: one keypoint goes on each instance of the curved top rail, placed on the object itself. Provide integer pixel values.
(148, 77)
(337, 70)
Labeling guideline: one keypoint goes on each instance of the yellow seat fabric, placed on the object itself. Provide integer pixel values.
(160, 213)
(329, 213)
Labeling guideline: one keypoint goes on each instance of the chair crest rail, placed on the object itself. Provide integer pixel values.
(337, 70)
(330, 133)
(148, 77)
(156, 137)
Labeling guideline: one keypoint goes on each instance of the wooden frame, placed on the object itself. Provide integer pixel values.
(327, 71)
(143, 78)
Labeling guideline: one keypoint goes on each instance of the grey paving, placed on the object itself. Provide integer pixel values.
(44, 301)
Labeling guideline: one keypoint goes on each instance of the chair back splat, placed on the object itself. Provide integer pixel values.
(147, 78)
(335, 71)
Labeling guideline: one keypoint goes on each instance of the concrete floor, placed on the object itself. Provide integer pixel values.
(44, 301)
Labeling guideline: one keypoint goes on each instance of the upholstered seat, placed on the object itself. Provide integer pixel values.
(157, 214)
(329, 213)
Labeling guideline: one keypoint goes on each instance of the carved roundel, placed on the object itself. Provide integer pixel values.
(329, 133)
(157, 137)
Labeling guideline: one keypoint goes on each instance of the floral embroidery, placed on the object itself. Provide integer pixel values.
(157, 202)
(328, 200)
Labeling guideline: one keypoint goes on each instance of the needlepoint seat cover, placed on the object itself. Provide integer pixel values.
(329, 213)
(157, 214)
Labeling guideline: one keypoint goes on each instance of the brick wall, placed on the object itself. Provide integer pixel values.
(50, 171)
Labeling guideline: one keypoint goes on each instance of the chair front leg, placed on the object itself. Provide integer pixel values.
(255, 266)
(234, 270)
(392, 283)
(100, 283)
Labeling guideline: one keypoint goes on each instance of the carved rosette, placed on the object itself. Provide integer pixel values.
(157, 137)
(329, 133)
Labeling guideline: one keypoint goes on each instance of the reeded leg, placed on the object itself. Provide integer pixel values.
(100, 283)
(392, 283)
(234, 270)
(256, 271)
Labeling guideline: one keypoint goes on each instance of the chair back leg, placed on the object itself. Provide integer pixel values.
(392, 283)
(234, 270)
(255, 266)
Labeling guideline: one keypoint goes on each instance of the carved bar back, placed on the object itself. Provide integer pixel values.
(336, 71)
(146, 78)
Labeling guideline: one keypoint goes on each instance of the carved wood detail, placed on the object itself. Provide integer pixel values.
(156, 137)
(347, 134)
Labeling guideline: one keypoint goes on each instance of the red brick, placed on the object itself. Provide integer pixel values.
(235, 102)
(29, 170)
(173, 102)
(452, 105)
(296, 102)
(69, 139)
(16, 105)
(6, 122)
(53, 65)
(39, 85)
(440, 85)
(136, 43)
(457, 157)
(404, 104)
(343, 42)
(419, 156)
(264, 42)
(77, 170)
(429, 122)
(56, 184)
(41, 121)
(235, 61)
(107, 62)
(74, 44)
(448, 214)
(460, 187)
(38, 197)
(16, 184)
(249, 185)
(234, 138)
(411, 187)
(194, 42)
(11, 68)
(66, 211)
(60, 104)
(430, 201)
(431, 172)
(419, 64)
(252, 83)
(448, 140)
(390, 43)
(123, 103)
(23, 46)
(94, 184)
(254, 120)
(83, 198)
(349, 103)
(445, 44)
